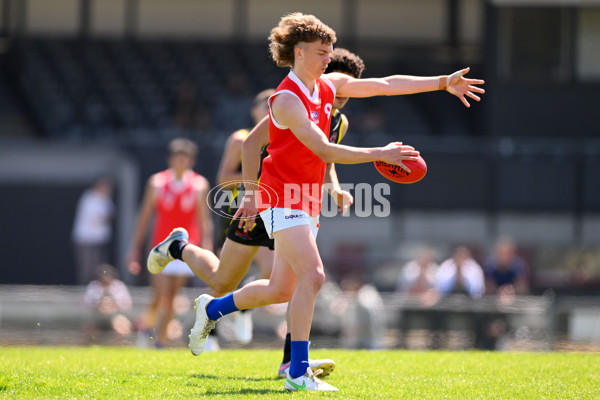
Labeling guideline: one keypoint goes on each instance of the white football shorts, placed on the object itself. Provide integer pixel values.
(277, 219)
(177, 268)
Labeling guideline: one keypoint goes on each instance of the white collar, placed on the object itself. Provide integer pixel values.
(315, 96)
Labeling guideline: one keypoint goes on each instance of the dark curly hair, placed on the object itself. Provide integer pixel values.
(346, 62)
(292, 29)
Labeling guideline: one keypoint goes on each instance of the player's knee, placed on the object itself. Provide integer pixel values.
(314, 279)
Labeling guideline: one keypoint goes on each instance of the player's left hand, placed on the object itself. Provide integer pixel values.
(460, 86)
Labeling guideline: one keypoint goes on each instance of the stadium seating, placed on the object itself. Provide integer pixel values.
(126, 90)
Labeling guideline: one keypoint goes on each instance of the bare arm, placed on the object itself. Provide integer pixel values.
(330, 173)
(203, 215)
(394, 85)
(256, 139)
(342, 198)
(229, 167)
(141, 227)
(289, 111)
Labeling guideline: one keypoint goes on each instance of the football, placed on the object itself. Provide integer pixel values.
(397, 173)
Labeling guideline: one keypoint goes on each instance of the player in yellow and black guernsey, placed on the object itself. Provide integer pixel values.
(230, 168)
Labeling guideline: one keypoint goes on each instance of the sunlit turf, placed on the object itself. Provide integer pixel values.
(122, 373)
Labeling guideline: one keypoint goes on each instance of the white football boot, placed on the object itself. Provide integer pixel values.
(325, 365)
(308, 381)
(202, 327)
(159, 256)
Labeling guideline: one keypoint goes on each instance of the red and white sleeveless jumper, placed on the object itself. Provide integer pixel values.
(176, 205)
(291, 164)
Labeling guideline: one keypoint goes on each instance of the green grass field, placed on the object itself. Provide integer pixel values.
(129, 373)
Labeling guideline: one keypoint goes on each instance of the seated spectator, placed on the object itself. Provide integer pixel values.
(505, 277)
(109, 300)
(418, 275)
(460, 274)
(505, 271)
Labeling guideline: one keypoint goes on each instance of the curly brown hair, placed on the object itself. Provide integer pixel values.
(346, 62)
(294, 28)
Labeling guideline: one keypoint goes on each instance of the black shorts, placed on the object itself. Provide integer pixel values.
(258, 236)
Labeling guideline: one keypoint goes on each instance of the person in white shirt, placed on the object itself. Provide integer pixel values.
(92, 229)
(109, 301)
(460, 274)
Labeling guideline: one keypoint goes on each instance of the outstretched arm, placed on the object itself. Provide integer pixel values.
(289, 111)
(394, 85)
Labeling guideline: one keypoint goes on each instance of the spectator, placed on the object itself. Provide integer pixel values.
(418, 275)
(109, 300)
(92, 229)
(505, 271)
(505, 277)
(460, 274)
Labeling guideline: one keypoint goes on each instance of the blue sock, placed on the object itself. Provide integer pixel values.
(299, 361)
(220, 307)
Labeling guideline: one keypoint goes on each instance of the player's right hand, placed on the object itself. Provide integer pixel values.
(396, 152)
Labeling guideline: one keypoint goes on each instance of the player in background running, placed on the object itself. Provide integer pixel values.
(175, 197)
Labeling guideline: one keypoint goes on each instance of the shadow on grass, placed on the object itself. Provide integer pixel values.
(241, 392)
(235, 378)
(232, 392)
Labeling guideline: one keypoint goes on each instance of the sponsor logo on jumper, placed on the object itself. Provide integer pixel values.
(314, 116)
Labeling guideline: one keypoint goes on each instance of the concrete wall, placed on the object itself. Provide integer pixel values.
(404, 20)
(40, 187)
